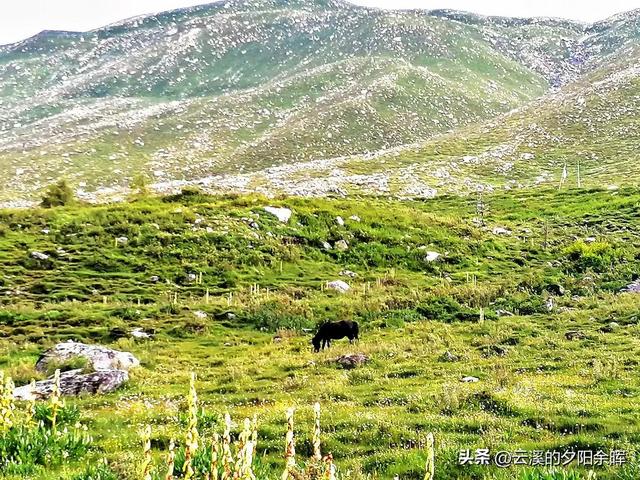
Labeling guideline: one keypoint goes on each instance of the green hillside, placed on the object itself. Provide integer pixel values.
(234, 87)
(555, 351)
(591, 126)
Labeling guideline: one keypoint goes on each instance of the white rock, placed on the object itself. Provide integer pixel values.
(200, 314)
(339, 286)
(348, 273)
(470, 380)
(122, 240)
(501, 231)
(100, 358)
(282, 214)
(341, 245)
(432, 256)
(340, 221)
(141, 334)
(39, 256)
(355, 218)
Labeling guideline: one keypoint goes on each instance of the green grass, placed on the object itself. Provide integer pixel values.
(537, 389)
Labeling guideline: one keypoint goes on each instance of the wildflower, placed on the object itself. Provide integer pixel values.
(171, 460)
(431, 463)
(317, 455)
(290, 448)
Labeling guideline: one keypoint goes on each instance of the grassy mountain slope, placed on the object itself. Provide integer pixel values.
(305, 97)
(234, 87)
(538, 388)
(590, 125)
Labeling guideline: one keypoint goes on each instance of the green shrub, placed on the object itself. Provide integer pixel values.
(597, 256)
(57, 195)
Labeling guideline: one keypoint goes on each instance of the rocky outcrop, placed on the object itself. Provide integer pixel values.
(98, 357)
(74, 382)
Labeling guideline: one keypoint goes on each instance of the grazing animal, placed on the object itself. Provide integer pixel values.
(334, 331)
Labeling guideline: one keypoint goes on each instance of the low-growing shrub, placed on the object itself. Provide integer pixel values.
(597, 256)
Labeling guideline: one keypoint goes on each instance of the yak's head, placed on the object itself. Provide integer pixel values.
(316, 343)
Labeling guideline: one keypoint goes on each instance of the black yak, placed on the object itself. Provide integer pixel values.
(334, 331)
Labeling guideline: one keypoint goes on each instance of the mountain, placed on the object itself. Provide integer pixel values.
(285, 95)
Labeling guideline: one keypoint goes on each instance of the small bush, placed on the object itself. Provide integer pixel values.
(57, 195)
(598, 256)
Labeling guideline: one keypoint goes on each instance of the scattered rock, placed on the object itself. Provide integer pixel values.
(140, 334)
(352, 360)
(633, 287)
(555, 289)
(339, 286)
(611, 327)
(431, 256)
(122, 241)
(341, 245)
(99, 357)
(469, 379)
(74, 382)
(550, 304)
(348, 273)
(340, 221)
(200, 314)
(493, 351)
(327, 246)
(192, 277)
(154, 279)
(504, 313)
(574, 335)
(282, 214)
(40, 256)
(448, 357)
(590, 239)
(501, 231)
(355, 218)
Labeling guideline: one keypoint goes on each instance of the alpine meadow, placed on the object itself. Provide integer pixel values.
(187, 197)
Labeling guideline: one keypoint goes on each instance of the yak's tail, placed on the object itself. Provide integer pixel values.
(356, 330)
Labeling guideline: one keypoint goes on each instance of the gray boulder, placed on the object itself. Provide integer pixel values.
(352, 360)
(339, 286)
(98, 357)
(73, 383)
